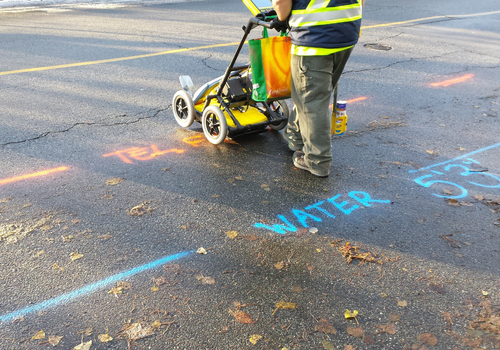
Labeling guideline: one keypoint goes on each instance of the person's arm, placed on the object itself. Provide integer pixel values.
(283, 8)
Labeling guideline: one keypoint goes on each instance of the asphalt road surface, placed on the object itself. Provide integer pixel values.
(105, 200)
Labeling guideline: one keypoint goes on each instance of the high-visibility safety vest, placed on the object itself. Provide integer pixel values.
(324, 26)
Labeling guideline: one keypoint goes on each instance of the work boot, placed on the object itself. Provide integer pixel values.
(299, 162)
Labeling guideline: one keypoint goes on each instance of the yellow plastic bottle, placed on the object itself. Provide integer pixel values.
(339, 118)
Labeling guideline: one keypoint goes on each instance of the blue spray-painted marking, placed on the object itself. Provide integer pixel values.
(91, 288)
(302, 216)
(457, 158)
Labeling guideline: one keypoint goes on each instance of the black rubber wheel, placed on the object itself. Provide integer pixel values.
(183, 107)
(281, 109)
(214, 125)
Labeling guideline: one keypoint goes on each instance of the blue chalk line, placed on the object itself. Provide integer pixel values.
(91, 287)
(457, 158)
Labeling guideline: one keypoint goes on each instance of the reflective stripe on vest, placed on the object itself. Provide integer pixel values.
(321, 15)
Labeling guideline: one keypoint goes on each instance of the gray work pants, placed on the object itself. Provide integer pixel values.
(314, 78)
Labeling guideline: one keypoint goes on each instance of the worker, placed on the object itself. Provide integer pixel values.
(323, 34)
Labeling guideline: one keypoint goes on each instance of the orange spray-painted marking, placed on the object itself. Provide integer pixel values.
(141, 153)
(29, 176)
(194, 140)
(453, 81)
(357, 99)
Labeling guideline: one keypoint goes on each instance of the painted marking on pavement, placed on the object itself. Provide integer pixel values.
(91, 288)
(141, 153)
(79, 64)
(453, 81)
(457, 158)
(29, 176)
(302, 216)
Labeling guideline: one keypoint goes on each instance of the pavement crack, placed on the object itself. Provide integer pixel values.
(137, 119)
(208, 66)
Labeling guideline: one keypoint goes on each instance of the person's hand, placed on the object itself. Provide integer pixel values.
(280, 26)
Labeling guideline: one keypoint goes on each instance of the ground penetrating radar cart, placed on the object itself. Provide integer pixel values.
(224, 106)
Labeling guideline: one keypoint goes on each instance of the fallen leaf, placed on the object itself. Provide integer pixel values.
(75, 256)
(105, 338)
(383, 295)
(57, 267)
(155, 288)
(284, 305)
(430, 152)
(54, 339)
(243, 317)
(427, 339)
(141, 209)
(327, 345)
(349, 315)
(445, 191)
(324, 326)
(387, 328)
(114, 181)
(402, 303)
(474, 343)
(137, 331)
(156, 324)
(201, 250)
(115, 291)
(367, 339)
(255, 338)
(39, 335)
(238, 178)
(461, 149)
(479, 197)
(265, 187)
(453, 202)
(83, 346)
(279, 265)
(232, 234)
(297, 289)
(349, 347)
(355, 331)
(208, 280)
(485, 293)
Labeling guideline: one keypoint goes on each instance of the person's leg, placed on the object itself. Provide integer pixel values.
(313, 86)
(291, 133)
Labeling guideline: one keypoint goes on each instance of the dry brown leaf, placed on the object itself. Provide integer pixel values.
(479, 197)
(137, 331)
(430, 152)
(116, 290)
(141, 209)
(243, 317)
(402, 303)
(387, 328)
(474, 343)
(427, 339)
(54, 339)
(105, 338)
(453, 202)
(297, 289)
(327, 345)
(201, 250)
(40, 335)
(367, 339)
(355, 331)
(114, 181)
(155, 288)
(324, 326)
(279, 265)
(283, 305)
(75, 256)
(83, 346)
(232, 234)
(255, 338)
(208, 280)
(447, 192)
(349, 347)
(419, 346)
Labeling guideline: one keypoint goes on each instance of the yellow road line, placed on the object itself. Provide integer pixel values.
(79, 64)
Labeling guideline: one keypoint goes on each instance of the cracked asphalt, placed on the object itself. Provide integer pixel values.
(104, 199)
